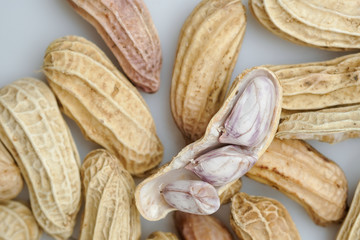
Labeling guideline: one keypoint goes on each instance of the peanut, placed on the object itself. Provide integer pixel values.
(17, 222)
(127, 29)
(110, 212)
(261, 218)
(108, 109)
(35, 133)
(208, 46)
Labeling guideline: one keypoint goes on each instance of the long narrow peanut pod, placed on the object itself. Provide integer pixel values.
(208, 47)
(330, 125)
(128, 30)
(303, 174)
(317, 85)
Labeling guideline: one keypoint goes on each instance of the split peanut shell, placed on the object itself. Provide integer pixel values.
(149, 200)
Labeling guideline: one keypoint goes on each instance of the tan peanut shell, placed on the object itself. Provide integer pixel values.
(35, 133)
(110, 211)
(208, 47)
(129, 32)
(320, 85)
(323, 24)
(107, 108)
(11, 182)
(261, 218)
(306, 176)
(257, 8)
(197, 227)
(230, 191)
(17, 222)
(330, 125)
(162, 236)
(149, 200)
(350, 228)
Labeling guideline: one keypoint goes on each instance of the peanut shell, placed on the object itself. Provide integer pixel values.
(162, 236)
(196, 227)
(306, 176)
(110, 211)
(330, 125)
(34, 131)
(17, 222)
(261, 218)
(129, 32)
(318, 85)
(107, 108)
(323, 24)
(208, 46)
(149, 200)
(350, 228)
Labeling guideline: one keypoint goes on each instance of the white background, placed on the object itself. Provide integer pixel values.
(27, 27)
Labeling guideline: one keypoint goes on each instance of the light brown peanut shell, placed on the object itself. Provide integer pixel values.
(107, 108)
(305, 175)
(11, 182)
(230, 191)
(208, 47)
(162, 236)
(350, 228)
(257, 8)
(34, 131)
(330, 125)
(149, 200)
(110, 211)
(320, 85)
(323, 24)
(129, 32)
(197, 227)
(261, 218)
(17, 222)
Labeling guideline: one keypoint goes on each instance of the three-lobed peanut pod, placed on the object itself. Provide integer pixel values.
(36, 135)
